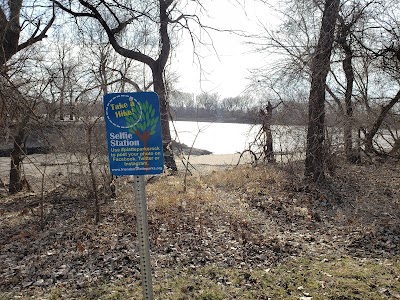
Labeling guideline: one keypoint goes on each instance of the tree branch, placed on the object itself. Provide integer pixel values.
(136, 55)
(71, 12)
(36, 38)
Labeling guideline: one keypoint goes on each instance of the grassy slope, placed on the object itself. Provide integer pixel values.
(251, 234)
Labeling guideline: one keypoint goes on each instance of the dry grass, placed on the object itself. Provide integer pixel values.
(242, 233)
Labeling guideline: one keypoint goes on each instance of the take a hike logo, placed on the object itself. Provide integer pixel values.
(120, 107)
(134, 133)
(142, 122)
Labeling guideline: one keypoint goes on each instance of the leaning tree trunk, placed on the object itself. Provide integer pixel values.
(369, 136)
(159, 89)
(314, 163)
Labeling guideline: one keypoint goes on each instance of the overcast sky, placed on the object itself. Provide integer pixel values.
(226, 72)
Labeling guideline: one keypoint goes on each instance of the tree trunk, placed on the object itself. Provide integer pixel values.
(71, 106)
(16, 183)
(62, 96)
(269, 145)
(314, 163)
(396, 149)
(348, 123)
(71, 112)
(90, 159)
(347, 64)
(159, 89)
(9, 37)
(369, 136)
(10, 31)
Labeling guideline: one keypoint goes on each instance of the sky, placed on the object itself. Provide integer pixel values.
(225, 72)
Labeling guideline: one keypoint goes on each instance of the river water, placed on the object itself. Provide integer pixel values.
(228, 138)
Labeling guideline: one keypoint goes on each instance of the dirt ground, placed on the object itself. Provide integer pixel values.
(228, 217)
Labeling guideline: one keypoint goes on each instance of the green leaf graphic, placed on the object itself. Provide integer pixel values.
(148, 119)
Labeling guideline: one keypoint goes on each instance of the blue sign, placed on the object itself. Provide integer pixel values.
(133, 133)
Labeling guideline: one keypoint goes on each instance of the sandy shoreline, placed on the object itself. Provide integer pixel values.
(55, 164)
(208, 163)
(215, 159)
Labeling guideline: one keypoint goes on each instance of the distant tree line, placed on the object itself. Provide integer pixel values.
(246, 109)
(240, 109)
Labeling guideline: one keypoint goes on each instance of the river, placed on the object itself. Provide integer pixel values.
(228, 138)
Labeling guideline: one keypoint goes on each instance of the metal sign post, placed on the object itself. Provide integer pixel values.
(135, 148)
(143, 236)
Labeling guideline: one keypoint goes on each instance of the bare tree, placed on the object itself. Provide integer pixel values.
(64, 72)
(308, 47)
(11, 29)
(383, 46)
(116, 19)
(208, 101)
(362, 83)
(370, 134)
(314, 163)
(11, 14)
(343, 41)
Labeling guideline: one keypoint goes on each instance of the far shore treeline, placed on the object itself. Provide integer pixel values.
(210, 107)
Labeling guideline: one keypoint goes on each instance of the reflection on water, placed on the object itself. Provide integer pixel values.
(227, 138)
